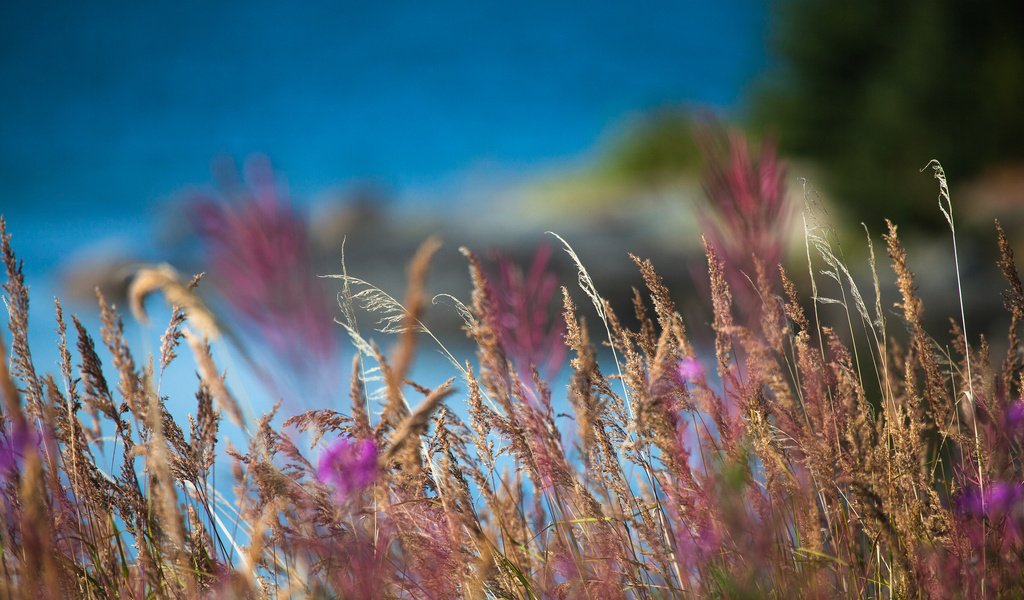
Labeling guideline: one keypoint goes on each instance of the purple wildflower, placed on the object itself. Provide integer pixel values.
(1000, 498)
(1014, 418)
(689, 370)
(348, 466)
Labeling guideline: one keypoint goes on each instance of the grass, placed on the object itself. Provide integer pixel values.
(841, 453)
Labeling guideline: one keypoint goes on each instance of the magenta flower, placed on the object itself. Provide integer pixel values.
(1014, 418)
(348, 466)
(689, 370)
(1000, 498)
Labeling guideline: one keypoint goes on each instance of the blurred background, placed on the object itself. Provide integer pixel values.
(135, 133)
(112, 112)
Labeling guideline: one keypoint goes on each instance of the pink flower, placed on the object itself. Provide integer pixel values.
(689, 370)
(1000, 498)
(1014, 418)
(348, 467)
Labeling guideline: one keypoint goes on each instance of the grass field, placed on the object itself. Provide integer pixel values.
(806, 454)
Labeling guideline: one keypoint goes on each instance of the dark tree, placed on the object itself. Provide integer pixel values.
(872, 90)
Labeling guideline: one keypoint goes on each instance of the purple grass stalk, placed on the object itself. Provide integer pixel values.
(14, 443)
(528, 328)
(746, 214)
(1014, 419)
(257, 251)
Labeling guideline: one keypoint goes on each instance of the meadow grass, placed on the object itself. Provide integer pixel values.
(822, 454)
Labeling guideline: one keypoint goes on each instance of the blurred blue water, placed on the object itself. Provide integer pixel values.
(109, 108)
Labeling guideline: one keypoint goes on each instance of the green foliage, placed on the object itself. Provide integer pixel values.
(873, 90)
(656, 147)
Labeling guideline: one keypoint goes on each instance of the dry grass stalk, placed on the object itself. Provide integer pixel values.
(165, 279)
(208, 371)
(797, 468)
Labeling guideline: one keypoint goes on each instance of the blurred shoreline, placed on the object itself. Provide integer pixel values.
(381, 235)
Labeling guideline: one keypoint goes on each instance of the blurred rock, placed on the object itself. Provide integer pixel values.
(108, 269)
(997, 194)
